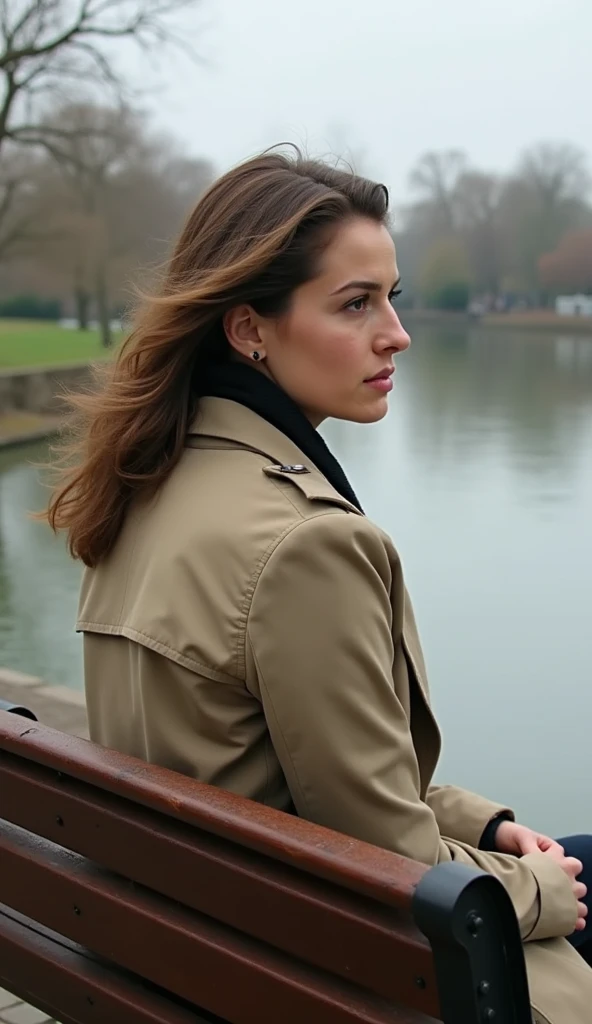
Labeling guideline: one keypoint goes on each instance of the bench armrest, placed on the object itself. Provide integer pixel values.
(17, 709)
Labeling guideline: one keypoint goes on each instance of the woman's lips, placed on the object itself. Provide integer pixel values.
(384, 384)
(382, 381)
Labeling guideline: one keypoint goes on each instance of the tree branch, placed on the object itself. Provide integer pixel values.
(13, 57)
(41, 141)
(50, 43)
(22, 233)
(36, 7)
(10, 188)
(9, 97)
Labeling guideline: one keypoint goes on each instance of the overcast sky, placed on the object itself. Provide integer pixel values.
(385, 78)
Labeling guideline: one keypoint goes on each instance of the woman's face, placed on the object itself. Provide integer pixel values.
(333, 350)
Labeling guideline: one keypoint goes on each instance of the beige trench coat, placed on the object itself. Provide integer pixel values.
(252, 629)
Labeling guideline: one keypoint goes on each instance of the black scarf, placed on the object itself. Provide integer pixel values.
(242, 383)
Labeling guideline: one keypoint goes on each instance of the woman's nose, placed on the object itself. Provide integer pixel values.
(395, 336)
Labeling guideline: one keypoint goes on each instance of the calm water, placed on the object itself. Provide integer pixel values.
(482, 473)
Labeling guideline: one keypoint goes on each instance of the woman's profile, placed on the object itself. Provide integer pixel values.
(244, 622)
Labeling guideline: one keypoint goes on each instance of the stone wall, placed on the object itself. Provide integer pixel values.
(40, 389)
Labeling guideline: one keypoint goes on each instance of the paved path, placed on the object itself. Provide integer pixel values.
(57, 706)
(62, 709)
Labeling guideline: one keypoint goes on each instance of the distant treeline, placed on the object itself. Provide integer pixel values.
(520, 238)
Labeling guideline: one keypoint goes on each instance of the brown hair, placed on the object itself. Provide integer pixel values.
(253, 238)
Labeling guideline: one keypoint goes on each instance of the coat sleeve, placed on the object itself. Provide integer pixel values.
(320, 657)
(461, 814)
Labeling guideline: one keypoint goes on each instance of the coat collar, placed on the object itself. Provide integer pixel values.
(240, 427)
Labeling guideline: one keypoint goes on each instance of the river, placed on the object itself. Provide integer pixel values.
(482, 473)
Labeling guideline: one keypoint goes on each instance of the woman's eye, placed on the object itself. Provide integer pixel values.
(358, 305)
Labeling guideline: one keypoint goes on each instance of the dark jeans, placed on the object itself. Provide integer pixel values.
(581, 847)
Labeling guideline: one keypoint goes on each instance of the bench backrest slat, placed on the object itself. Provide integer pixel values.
(355, 865)
(77, 987)
(228, 907)
(186, 953)
(320, 923)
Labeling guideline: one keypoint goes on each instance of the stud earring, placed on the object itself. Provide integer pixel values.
(256, 356)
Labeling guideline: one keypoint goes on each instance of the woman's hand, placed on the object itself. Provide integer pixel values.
(520, 840)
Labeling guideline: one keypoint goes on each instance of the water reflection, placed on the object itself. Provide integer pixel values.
(38, 581)
(482, 473)
(527, 397)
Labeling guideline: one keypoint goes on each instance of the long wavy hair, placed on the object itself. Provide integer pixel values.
(253, 237)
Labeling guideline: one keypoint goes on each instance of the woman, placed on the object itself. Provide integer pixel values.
(244, 622)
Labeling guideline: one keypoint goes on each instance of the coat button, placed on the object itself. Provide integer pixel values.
(294, 469)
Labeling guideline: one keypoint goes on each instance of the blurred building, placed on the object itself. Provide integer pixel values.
(573, 305)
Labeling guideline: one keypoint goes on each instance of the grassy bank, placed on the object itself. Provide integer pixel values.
(36, 343)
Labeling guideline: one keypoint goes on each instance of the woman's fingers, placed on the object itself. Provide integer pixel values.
(572, 866)
(580, 890)
(547, 845)
(582, 913)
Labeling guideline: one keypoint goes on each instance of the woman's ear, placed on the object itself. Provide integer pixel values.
(241, 326)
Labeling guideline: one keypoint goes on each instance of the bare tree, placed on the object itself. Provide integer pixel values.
(116, 196)
(432, 218)
(505, 224)
(544, 198)
(557, 171)
(18, 194)
(476, 201)
(97, 143)
(49, 47)
(434, 180)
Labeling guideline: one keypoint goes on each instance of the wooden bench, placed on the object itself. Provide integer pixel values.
(133, 895)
